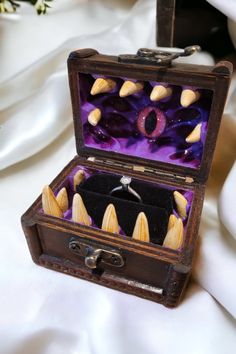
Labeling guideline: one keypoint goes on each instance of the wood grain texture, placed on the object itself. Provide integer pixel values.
(165, 19)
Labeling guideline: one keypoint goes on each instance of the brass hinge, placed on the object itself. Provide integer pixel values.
(139, 168)
(110, 163)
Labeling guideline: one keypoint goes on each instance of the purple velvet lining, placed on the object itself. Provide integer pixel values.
(117, 131)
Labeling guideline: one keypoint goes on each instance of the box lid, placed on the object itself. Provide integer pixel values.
(174, 15)
(142, 112)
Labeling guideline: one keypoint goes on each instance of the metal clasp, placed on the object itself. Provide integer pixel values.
(94, 256)
(91, 260)
(157, 57)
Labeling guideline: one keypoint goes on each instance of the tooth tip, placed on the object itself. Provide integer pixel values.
(78, 178)
(97, 86)
(111, 207)
(188, 97)
(171, 222)
(79, 211)
(195, 135)
(141, 229)
(160, 92)
(174, 236)
(110, 221)
(102, 85)
(49, 203)
(62, 199)
(46, 188)
(94, 116)
(77, 197)
(79, 172)
(181, 204)
(142, 216)
(125, 88)
(62, 190)
(129, 88)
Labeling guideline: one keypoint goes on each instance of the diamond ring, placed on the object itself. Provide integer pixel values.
(125, 191)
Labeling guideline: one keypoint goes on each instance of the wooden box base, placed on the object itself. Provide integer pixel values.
(150, 271)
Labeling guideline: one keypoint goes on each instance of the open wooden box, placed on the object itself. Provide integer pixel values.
(159, 163)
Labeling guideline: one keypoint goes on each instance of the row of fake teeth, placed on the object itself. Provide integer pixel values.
(56, 206)
(159, 92)
(95, 116)
(180, 201)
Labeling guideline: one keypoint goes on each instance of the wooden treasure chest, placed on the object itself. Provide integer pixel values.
(125, 212)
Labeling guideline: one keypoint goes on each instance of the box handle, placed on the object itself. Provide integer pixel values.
(94, 256)
(157, 57)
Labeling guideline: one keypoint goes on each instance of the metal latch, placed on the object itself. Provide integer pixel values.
(94, 256)
(157, 57)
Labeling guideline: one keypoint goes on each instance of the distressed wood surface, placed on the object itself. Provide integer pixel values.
(149, 271)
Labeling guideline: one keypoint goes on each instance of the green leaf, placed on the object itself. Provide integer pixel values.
(12, 5)
(33, 2)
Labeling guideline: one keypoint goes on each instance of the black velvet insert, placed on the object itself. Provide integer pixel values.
(127, 212)
(157, 203)
(103, 183)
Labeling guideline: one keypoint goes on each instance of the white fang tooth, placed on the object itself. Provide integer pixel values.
(175, 236)
(110, 221)
(101, 85)
(141, 229)
(195, 135)
(172, 220)
(159, 92)
(79, 212)
(78, 178)
(62, 199)
(49, 203)
(94, 116)
(181, 204)
(188, 97)
(129, 88)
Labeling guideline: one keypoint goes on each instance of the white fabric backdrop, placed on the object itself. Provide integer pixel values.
(42, 311)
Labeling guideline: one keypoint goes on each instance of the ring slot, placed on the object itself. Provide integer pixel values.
(150, 194)
(127, 212)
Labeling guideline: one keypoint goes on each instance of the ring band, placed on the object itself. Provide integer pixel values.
(125, 186)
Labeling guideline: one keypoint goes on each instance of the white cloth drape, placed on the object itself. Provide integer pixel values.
(42, 311)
